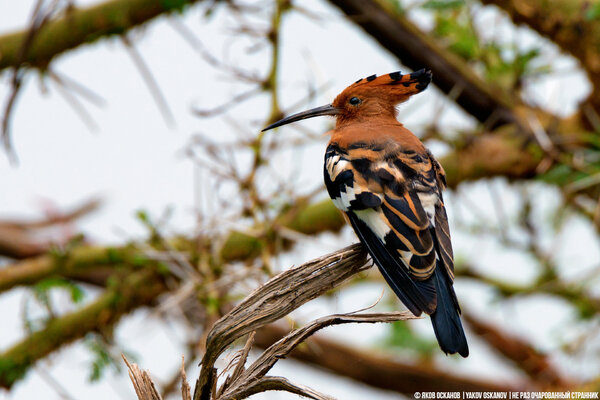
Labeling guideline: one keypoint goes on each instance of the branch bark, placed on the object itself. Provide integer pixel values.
(138, 289)
(78, 26)
(96, 264)
(273, 300)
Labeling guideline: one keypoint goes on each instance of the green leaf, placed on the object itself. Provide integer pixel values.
(104, 356)
(42, 289)
(593, 12)
(142, 216)
(401, 336)
(459, 34)
(443, 4)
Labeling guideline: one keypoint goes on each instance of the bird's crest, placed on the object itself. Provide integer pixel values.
(372, 96)
(394, 87)
(420, 79)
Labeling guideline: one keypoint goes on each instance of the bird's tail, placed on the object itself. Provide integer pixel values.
(446, 318)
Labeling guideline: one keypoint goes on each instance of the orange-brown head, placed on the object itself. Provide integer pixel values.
(367, 98)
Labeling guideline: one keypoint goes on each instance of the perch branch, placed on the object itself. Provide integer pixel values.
(273, 300)
(257, 371)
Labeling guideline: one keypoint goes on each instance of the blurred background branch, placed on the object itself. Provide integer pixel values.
(258, 204)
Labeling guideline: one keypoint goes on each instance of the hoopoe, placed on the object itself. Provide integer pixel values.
(389, 186)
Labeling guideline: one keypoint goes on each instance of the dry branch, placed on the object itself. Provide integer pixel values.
(273, 300)
(377, 370)
(186, 391)
(279, 383)
(257, 371)
(142, 383)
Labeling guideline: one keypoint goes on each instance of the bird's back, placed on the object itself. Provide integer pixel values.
(390, 187)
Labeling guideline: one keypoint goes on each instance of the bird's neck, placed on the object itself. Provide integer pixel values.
(380, 119)
(375, 130)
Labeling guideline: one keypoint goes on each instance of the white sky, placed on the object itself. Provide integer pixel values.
(134, 161)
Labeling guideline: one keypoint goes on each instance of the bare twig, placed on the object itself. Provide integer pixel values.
(235, 100)
(279, 383)
(186, 391)
(75, 104)
(148, 78)
(38, 19)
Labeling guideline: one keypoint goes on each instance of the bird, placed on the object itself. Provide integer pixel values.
(389, 187)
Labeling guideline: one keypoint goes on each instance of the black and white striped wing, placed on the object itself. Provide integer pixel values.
(392, 203)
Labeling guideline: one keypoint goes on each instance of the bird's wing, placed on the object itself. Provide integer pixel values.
(442, 231)
(393, 203)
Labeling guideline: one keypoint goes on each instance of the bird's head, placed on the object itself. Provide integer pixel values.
(367, 98)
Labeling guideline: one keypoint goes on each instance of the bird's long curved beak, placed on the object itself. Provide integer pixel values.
(314, 112)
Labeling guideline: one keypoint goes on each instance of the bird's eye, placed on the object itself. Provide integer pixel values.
(355, 101)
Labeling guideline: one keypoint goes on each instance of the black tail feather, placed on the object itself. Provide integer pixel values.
(446, 318)
(417, 296)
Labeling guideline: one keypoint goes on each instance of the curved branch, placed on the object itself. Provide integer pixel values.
(273, 300)
(279, 383)
(416, 50)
